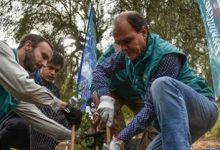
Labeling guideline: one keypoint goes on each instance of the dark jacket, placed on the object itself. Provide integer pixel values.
(38, 140)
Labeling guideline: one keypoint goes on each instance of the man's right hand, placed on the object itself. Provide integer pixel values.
(106, 109)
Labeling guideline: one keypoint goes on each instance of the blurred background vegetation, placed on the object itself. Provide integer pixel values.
(177, 21)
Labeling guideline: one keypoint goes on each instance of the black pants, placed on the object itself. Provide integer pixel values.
(14, 133)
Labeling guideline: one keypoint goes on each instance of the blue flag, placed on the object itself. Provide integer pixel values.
(88, 60)
(210, 12)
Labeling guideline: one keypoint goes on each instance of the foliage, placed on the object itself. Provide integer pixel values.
(178, 21)
(127, 113)
(84, 126)
(215, 131)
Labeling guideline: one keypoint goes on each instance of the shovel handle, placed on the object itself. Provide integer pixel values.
(72, 144)
(108, 136)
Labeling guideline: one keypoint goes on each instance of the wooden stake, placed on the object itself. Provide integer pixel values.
(108, 136)
(72, 144)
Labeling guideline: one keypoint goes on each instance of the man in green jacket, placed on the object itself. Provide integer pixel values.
(181, 101)
(122, 90)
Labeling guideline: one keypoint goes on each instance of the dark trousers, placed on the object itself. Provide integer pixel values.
(14, 133)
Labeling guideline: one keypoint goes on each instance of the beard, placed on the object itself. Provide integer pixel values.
(29, 62)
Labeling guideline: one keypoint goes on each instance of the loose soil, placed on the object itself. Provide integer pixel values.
(204, 144)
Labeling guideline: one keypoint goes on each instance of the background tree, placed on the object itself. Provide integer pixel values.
(178, 21)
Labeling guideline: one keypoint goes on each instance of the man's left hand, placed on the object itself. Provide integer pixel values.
(116, 144)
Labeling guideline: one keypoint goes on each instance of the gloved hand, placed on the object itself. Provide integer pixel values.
(116, 144)
(106, 109)
(73, 116)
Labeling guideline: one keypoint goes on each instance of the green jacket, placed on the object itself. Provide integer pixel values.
(120, 82)
(142, 71)
(7, 102)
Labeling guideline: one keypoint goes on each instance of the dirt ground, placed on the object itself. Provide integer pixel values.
(200, 145)
(204, 144)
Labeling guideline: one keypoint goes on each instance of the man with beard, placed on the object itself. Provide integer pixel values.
(17, 89)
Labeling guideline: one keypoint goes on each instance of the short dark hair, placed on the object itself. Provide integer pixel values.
(35, 39)
(57, 59)
(136, 20)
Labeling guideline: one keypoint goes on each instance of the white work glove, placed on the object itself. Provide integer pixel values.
(106, 109)
(116, 144)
